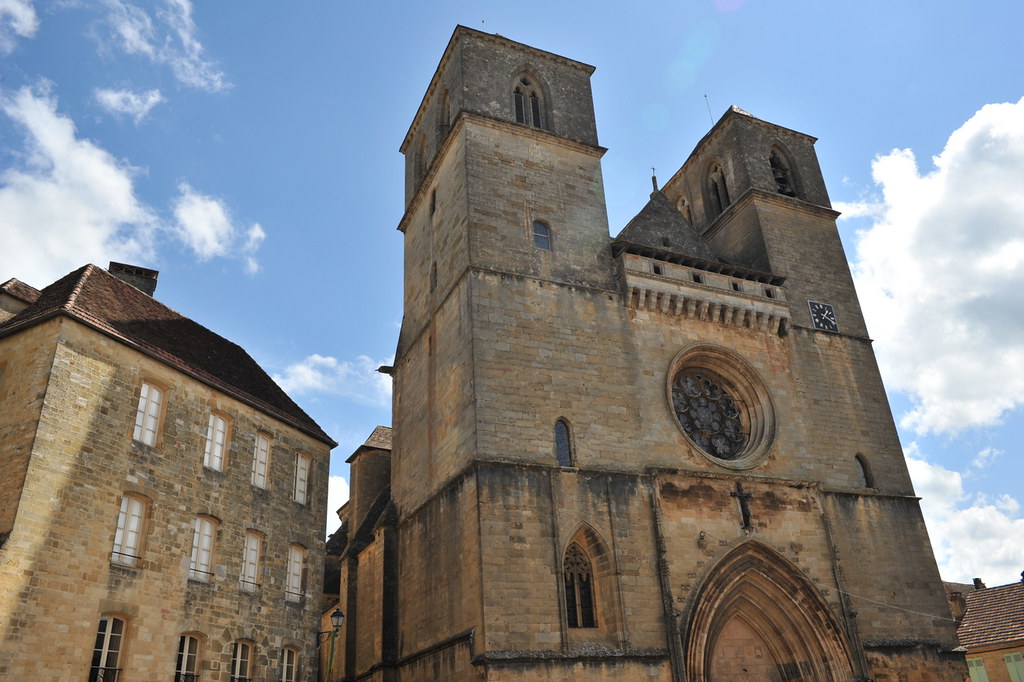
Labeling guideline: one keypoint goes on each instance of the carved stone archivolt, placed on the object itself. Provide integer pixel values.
(721, 405)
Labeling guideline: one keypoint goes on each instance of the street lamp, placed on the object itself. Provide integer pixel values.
(337, 618)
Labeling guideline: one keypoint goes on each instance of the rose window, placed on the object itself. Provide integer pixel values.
(709, 414)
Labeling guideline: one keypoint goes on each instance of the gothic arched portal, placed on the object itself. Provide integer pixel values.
(759, 619)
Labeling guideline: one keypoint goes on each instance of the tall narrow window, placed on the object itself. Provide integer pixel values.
(293, 583)
(528, 103)
(541, 235)
(260, 461)
(781, 173)
(107, 653)
(241, 662)
(976, 668)
(216, 439)
(147, 417)
(520, 102)
(128, 536)
(299, 494)
(563, 445)
(250, 580)
(186, 666)
(579, 588)
(535, 119)
(718, 191)
(866, 479)
(289, 665)
(201, 564)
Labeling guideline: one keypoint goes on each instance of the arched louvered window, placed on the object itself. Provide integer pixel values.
(579, 588)
(719, 193)
(783, 175)
(563, 444)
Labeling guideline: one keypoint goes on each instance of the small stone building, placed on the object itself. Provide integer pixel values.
(161, 498)
(991, 629)
(666, 455)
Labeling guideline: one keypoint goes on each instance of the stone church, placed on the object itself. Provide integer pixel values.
(666, 455)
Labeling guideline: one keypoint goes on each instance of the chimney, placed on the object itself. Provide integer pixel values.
(978, 585)
(141, 278)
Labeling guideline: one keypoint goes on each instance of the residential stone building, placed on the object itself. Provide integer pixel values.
(161, 498)
(990, 627)
(666, 455)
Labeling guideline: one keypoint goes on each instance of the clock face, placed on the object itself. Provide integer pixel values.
(823, 317)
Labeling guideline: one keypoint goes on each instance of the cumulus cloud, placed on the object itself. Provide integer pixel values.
(969, 533)
(17, 19)
(337, 495)
(170, 39)
(940, 274)
(134, 104)
(357, 379)
(69, 202)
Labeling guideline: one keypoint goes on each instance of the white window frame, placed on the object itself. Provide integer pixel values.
(251, 552)
(261, 460)
(289, 665)
(200, 565)
(127, 548)
(216, 442)
(301, 491)
(241, 660)
(147, 416)
(293, 582)
(187, 662)
(108, 648)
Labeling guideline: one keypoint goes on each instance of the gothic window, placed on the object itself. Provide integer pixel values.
(528, 103)
(107, 652)
(563, 444)
(186, 667)
(708, 413)
(866, 479)
(719, 193)
(782, 174)
(541, 235)
(579, 588)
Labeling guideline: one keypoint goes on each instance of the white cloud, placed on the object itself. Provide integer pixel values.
(941, 274)
(358, 379)
(170, 40)
(70, 202)
(972, 537)
(337, 495)
(17, 18)
(985, 457)
(136, 105)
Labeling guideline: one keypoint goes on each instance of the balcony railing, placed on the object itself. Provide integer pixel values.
(97, 674)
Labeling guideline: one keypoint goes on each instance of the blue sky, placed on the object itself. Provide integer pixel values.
(248, 151)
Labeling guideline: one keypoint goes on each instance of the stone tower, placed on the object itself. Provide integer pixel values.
(666, 455)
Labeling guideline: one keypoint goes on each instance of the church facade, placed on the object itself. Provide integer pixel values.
(666, 455)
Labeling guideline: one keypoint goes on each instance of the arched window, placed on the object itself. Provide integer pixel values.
(241, 661)
(541, 235)
(563, 444)
(528, 103)
(783, 175)
(717, 191)
(186, 667)
(106, 655)
(579, 588)
(289, 665)
(864, 471)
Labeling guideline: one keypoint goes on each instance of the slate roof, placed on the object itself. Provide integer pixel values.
(994, 615)
(380, 439)
(19, 290)
(99, 300)
(660, 226)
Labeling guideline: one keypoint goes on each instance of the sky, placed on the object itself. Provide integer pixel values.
(249, 151)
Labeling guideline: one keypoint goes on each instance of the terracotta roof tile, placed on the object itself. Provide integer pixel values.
(98, 299)
(994, 615)
(19, 290)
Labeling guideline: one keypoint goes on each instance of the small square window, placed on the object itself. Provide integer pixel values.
(697, 277)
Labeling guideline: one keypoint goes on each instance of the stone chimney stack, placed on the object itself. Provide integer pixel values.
(978, 585)
(141, 278)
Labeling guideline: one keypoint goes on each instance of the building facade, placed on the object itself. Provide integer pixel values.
(161, 499)
(991, 629)
(666, 455)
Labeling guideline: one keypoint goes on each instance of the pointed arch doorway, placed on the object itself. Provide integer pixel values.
(758, 619)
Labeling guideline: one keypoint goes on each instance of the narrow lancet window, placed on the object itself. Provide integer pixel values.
(563, 444)
(781, 173)
(541, 235)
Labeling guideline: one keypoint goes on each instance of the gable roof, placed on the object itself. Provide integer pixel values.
(19, 290)
(994, 615)
(660, 226)
(97, 299)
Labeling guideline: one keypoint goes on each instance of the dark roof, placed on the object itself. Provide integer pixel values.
(659, 225)
(99, 300)
(380, 439)
(19, 290)
(994, 615)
